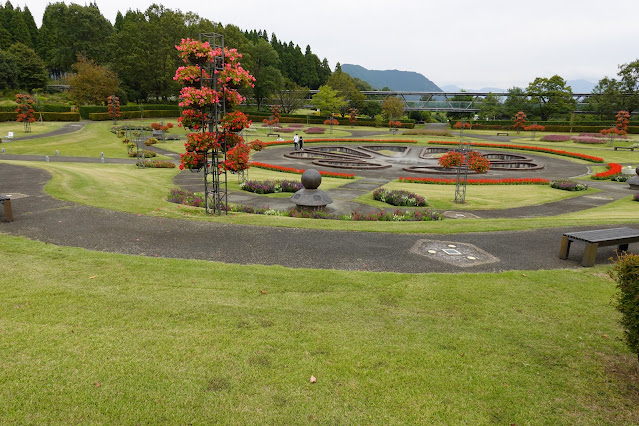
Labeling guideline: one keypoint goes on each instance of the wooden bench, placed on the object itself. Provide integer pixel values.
(631, 148)
(598, 237)
(273, 134)
(502, 134)
(8, 213)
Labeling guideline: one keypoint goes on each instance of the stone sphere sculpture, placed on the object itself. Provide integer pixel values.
(310, 196)
(633, 182)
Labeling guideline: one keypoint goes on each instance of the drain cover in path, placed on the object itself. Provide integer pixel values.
(454, 253)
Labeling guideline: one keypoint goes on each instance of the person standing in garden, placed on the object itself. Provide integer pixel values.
(301, 142)
(296, 141)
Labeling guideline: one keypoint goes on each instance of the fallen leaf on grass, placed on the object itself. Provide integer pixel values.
(313, 379)
(97, 385)
(93, 277)
(263, 292)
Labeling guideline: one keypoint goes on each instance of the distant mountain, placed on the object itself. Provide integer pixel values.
(581, 86)
(455, 88)
(578, 86)
(405, 81)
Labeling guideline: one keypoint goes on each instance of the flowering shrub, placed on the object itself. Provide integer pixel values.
(475, 161)
(451, 159)
(299, 171)
(613, 169)
(331, 121)
(237, 159)
(271, 186)
(190, 75)
(229, 140)
(150, 141)
(636, 197)
(394, 123)
(188, 198)
(192, 119)
(478, 162)
(459, 124)
(556, 138)
(275, 116)
(201, 142)
(235, 121)
(198, 97)
(587, 140)
(586, 157)
(399, 198)
(256, 145)
(25, 111)
(113, 105)
(195, 51)
(520, 121)
(620, 178)
(352, 115)
(568, 185)
(157, 164)
(191, 161)
(534, 127)
(513, 181)
(315, 131)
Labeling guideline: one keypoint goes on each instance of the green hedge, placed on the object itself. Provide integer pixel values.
(61, 116)
(46, 116)
(85, 110)
(406, 124)
(8, 116)
(126, 115)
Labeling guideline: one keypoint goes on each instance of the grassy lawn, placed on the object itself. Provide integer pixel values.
(36, 128)
(485, 197)
(103, 338)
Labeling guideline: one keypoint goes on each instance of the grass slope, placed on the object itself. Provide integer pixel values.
(103, 338)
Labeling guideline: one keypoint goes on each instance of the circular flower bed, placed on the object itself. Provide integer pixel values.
(568, 185)
(399, 198)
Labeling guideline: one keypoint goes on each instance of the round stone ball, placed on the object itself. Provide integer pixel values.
(311, 179)
(637, 170)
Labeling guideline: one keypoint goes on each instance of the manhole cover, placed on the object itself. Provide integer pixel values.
(454, 253)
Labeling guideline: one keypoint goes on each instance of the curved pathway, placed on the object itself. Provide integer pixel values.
(41, 217)
(66, 129)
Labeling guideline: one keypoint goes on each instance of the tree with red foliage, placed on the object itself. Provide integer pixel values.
(26, 113)
(520, 121)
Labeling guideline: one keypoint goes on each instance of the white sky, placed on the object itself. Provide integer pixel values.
(470, 43)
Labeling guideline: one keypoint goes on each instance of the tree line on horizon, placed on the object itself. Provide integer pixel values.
(137, 54)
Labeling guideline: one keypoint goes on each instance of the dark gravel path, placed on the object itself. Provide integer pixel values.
(43, 218)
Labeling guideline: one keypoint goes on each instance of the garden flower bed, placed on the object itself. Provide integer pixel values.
(322, 140)
(515, 181)
(577, 155)
(556, 138)
(568, 185)
(613, 169)
(399, 198)
(188, 198)
(271, 186)
(299, 171)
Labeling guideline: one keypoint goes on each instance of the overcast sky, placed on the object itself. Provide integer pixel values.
(470, 43)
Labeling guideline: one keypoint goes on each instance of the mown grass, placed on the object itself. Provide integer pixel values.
(88, 337)
(482, 197)
(18, 129)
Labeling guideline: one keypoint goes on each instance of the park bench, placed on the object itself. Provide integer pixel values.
(631, 148)
(8, 213)
(502, 134)
(273, 134)
(598, 237)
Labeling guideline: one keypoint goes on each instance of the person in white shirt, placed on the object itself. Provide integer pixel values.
(296, 140)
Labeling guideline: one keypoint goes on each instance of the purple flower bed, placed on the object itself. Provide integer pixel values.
(588, 139)
(556, 138)
(271, 186)
(568, 185)
(399, 198)
(288, 130)
(382, 216)
(181, 196)
(296, 126)
(636, 197)
(315, 130)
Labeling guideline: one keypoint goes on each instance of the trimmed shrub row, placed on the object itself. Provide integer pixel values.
(89, 109)
(41, 108)
(46, 116)
(124, 115)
